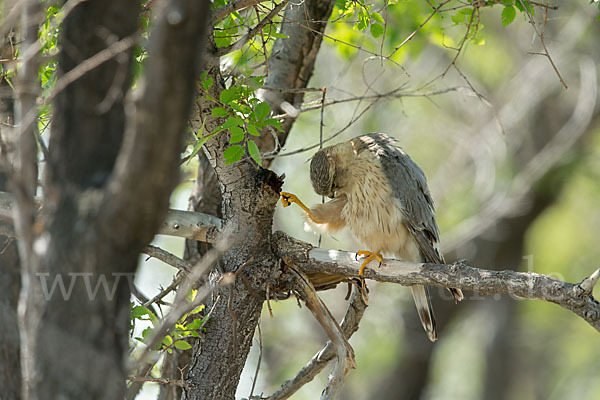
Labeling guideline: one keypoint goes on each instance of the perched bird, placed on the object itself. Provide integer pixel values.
(381, 195)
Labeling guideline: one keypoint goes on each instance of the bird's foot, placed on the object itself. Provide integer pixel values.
(288, 198)
(370, 257)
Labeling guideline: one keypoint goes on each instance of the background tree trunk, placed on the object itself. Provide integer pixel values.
(98, 211)
(10, 283)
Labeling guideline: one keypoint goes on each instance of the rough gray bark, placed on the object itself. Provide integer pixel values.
(94, 224)
(249, 196)
(292, 63)
(290, 66)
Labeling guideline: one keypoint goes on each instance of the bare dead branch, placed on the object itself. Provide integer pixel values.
(549, 156)
(258, 362)
(93, 62)
(176, 281)
(354, 313)
(460, 275)
(343, 351)
(525, 285)
(24, 184)
(587, 285)
(186, 224)
(167, 257)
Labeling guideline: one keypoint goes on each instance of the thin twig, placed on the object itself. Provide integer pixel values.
(167, 257)
(540, 35)
(258, 362)
(93, 62)
(321, 125)
(252, 32)
(166, 291)
(343, 351)
(223, 11)
(162, 381)
(349, 325)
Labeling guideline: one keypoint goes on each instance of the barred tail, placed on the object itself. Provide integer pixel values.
(423, 303)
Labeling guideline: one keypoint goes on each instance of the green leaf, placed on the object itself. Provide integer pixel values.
(200, 143)
(377, 17)
(528, 6)
(254, 152)
(363, 20)
(219, 112)
(231, 122)
(262, 110)
(139, 311)
(462, 16)
(167, 340)
(508, 15)
(207, 83)
(228, 95)
(182, 345)
(273, 122)
(195, 324)
(233, 154)
(278, 35)
(237, 134)
(253, 130)
(376, 30)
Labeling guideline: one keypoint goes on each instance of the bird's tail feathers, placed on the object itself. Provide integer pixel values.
(423, 303)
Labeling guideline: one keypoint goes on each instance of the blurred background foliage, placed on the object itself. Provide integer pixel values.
(513, 162)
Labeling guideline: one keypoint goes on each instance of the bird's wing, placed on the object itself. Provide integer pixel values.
(409, 188)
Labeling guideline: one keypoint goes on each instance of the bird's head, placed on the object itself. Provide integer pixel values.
(322, 173)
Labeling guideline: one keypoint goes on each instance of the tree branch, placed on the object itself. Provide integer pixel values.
(252, 32)
(186, 224)
(167, 257)
(222, 12)
(573, 297)
(349, 325)
(343, 351)
(527, 285)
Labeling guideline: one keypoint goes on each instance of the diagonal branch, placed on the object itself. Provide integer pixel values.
(349, 325)
(252, 32)
(343, 351)
(222, 12)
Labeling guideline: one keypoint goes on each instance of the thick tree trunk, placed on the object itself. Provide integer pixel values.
(290, 66)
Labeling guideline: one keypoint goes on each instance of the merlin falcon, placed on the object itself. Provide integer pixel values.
(380, 194)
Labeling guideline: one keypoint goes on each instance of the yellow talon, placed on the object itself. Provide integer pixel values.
(289, 198)
(370, 257)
